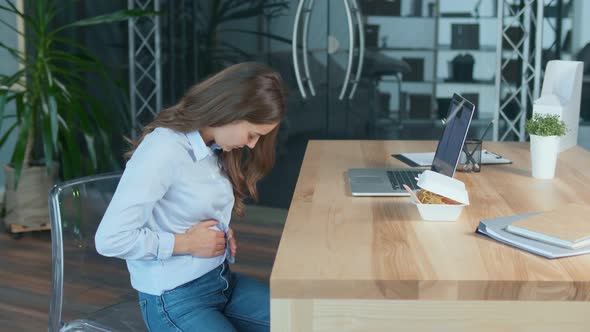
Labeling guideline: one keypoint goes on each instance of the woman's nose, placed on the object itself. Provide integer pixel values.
(252, 143)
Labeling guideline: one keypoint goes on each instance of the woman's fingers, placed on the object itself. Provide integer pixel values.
(232, 242)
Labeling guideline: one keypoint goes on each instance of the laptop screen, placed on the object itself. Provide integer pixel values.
(453, 136)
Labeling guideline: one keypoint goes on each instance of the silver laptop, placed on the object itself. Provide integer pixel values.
(389, 181)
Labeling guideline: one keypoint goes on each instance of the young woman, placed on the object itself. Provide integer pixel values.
(187, 174)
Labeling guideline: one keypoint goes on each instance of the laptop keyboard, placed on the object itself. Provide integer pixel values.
(399, 177)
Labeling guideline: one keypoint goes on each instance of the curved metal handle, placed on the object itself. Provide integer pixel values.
(307, 13)
(361, 30)
(350, 48)
(294, 48)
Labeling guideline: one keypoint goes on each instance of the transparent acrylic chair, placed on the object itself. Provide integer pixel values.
(89, 292)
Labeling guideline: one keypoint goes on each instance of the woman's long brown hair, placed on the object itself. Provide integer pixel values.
(247, 91)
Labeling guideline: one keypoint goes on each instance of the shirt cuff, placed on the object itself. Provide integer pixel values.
(165, 245)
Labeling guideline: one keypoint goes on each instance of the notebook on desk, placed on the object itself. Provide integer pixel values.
(496, 229)
(388, 182)
(567, 226)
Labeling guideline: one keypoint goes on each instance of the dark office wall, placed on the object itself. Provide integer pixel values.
(108, 43)
(195, 45)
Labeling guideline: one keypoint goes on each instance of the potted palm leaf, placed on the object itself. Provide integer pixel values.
(58, 124)
(545, 130)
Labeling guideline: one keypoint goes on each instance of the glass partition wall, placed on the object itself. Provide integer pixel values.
(332, 67)
(356, 69)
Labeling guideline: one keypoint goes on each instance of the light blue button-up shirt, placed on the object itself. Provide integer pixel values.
(172, 182)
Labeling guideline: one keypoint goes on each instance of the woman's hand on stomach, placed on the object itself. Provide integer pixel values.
(200, 240)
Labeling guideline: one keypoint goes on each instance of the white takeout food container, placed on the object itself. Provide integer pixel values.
(444, 186)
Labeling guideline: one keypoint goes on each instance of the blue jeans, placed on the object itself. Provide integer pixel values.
(218, 301)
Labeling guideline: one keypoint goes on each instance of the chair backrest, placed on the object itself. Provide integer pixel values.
(88, 291)
(563, 79)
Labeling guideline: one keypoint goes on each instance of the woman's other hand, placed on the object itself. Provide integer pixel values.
(232, 242)
(200, 240)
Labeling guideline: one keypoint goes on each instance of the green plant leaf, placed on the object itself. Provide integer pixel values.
(118, 16)
(48, 73)
(47, 142)
(236, 49)
(69, 75)
(253, 10)
(20, 105)
(72, 158)
(91, 150)
(102, 140)
(80, 58)
(12, 28)
(62, 122)
(65, 161)
(53, 118)
(13, 95)
(18, 55)
(62, 94)
(77, 110)
(18, 155)
(3, 98)
(89, 137)
(121, 94)
(65, 41)
(12, 8)
(42, 16)
(27, 18)
(7, 133)
(15, 78)
(262, 34)
(99, 118)
(107, 143)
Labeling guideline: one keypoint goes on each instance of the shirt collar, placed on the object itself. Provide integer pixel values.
(200, 149)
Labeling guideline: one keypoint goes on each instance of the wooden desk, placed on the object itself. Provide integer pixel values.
(370, 264)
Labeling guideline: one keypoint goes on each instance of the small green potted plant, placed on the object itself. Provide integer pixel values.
(545, 130)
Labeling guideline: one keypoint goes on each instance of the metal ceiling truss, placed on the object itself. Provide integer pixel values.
(513, 100)
(145, 75)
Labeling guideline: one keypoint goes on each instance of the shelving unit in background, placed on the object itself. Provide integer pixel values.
(426, 34)
(429, 35)
(397, 39)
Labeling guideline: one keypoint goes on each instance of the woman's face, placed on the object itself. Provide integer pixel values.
(240, 133)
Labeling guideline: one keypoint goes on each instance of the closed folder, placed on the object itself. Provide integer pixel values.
(567, 226)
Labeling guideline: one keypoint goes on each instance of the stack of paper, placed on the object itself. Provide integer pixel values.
(563, 231)
(424, 159)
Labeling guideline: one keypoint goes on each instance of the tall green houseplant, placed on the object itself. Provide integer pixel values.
(58, 123)
(56, 118)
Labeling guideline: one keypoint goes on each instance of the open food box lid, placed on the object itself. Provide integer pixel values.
(443, 185)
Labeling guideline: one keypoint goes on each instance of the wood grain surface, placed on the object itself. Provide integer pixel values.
(336, 246)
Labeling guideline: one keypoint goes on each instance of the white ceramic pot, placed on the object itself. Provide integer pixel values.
(544, 151)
